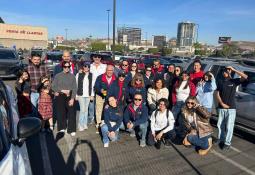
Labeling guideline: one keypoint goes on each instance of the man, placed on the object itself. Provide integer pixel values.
(66, 57)
(125, 66)
(225, 93)
(197, 73)
(102, 85)
(36, 70)
(135, 118)
(148, 77)
(97, 68)
(169, 77)
(158, 69)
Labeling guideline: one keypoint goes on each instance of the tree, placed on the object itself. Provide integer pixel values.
(153, 50)
(97, 46)
(199, 50)
(119, 48)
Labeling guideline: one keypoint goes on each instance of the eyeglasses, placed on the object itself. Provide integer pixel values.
(67, 67)
(125, 65)
(192, 103)
(138, 99)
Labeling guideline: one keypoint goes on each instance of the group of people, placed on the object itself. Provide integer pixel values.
(157, 105)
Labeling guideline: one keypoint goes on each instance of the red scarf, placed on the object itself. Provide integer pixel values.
(104, 79)
(120, 83)
(138, 85)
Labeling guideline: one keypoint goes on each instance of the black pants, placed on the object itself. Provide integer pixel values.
(66, 117)
(170, 135)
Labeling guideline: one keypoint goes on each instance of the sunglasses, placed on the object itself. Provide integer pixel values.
(86, 66)
(177, 70)
(138, 80)
(138, 99)
(148, 69)
(192, 103)
(123, 76)
(67, 67)
(125, 65)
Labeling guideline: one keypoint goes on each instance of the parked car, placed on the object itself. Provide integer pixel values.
(245, 93)
(176, 61)
(14, 158)
(52, 59)
(10, 63)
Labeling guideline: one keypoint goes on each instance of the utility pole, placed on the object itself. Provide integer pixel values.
(108, 11)
(113, 29)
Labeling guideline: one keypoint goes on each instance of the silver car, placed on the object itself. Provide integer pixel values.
(14, 158)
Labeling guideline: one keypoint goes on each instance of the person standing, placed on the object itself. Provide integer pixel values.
(36, 70)
(225, 93)
(102, 85)
(132, 72)
(135, 118)
(197, 73)
(97, 68)
(158, 69)
(169, 80)
(65, 89)
(85, 94)
(148, 77)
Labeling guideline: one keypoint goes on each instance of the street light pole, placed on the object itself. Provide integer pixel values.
(108, 11)
(113, 29)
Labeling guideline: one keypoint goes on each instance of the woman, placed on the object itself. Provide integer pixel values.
(196, 126)
(85, 94)
(205, 90)
(162, 125)
(132, 72)
(113, 116)
(156, 92)
(182, 89)
(65, 89)
(136, 86)
(148, 77)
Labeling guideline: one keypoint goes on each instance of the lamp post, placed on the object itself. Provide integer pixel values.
(113, 29)
(108, 12)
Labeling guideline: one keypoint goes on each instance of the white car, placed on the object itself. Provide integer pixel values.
(14, 158)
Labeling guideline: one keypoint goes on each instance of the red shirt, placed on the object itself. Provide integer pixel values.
(195, 77)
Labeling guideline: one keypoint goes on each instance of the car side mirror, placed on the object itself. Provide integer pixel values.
(28, 127)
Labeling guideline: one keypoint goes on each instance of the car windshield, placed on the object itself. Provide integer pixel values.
(6, 54)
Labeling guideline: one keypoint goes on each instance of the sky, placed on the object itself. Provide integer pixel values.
(82, 18)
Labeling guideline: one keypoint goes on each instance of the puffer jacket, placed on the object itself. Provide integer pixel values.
(153, 96)
(202, 122)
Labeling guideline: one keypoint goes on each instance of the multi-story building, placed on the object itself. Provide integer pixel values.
(129, 35)
(186, 34)
(159, 41)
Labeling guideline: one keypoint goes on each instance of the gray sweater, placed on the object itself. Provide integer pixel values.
(65, 81)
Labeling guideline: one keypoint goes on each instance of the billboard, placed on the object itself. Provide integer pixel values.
(224, 40)
(22, 32)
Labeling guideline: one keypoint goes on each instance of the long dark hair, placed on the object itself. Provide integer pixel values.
(181, 80)
(155, 82)
(20, 73)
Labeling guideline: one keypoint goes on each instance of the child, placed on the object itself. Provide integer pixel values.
(23, 89)
(45, 102)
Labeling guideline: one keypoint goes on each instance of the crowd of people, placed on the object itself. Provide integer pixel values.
(157, 105)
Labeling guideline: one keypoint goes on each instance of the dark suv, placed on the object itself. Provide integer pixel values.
(10, 63)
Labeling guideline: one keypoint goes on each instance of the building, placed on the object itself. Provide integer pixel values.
(172, 42)
(23, 36)
(129, 36)
(159, 41)
(186, 34)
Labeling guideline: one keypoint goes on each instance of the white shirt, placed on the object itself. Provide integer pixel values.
(160, 121)
(86, 85)
(96, 71)
(181, 93)
(109, 79)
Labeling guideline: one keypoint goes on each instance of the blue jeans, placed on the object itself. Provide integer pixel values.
(34, 100)
(106, 138)
(91, 116)
(142, 130)
(200, 143)
(226, 123)
(177, 108)
(84, 110)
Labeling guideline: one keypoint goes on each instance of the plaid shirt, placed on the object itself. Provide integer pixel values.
(35, 74)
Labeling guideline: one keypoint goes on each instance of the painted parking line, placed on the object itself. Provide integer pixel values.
(242, 153)
(45, 155)
(234, 163)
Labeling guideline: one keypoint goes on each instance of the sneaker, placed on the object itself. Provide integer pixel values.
(226, 147)
(203, 152)
(186, 142)
(85, 127)
(62, 130)
(106, 145)
(158, 144)
(167, 143)
(132, 134)
(97, 130)
(73, 134)
(142, 144)
(81, 129)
